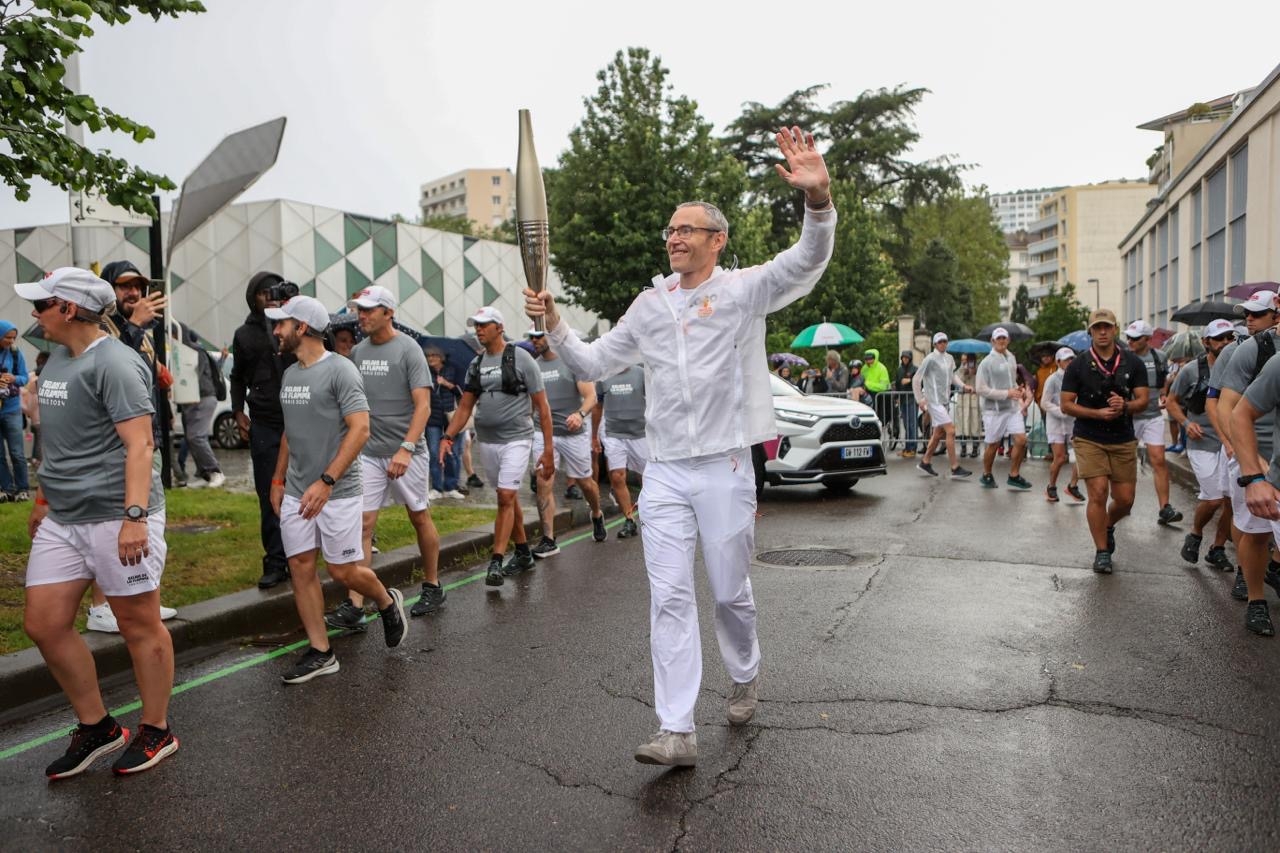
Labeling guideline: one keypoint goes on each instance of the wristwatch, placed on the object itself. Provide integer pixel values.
(1244, 481)
(408, 447)
(327, 480)
(134, 512)
(582, 415)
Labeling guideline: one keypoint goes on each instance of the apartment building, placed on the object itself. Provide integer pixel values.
(1019, 269)
(1016, 210)
(485, 196)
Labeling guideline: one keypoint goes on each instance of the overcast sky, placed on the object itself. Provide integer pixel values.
(384, 95)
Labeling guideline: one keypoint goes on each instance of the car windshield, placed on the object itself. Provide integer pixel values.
(783, 388)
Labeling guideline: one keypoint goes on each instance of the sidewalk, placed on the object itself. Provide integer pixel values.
(257, 614)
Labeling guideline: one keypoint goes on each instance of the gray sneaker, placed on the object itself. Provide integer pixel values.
(670, 749)
(742, 701)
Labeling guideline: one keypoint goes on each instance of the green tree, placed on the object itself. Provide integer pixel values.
(639, 151)
(35, 104)
(1060, 313)
(934, 294)
(1020, 311)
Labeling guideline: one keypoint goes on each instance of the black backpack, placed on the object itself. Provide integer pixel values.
(1199, 393)
(511, 383)
(1266, 349)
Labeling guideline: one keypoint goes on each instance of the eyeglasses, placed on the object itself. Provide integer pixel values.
(685, 231)
(43, 305)
(1225, 336)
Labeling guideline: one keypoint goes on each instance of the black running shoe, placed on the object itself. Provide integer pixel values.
(573, 493)
(429, 600)
(1168, 515)
(1240, 592)
(1075, 492)
(1017, 482)
(475, 482)
(88, 744)
(1102, 562)
(1191, 548)
(1111, 540)
(394, 626)
(926, 468)
(987, 482)
(1217, 557)
(518, 564)
(493, 574)
(598, 532)
(1051, 494)
(273, 577)
(1273, 580)
(345, 617)
(149, 747)
(958, 473)
(312, 664)
(546, 548)
(629, 529)
(1257, 618)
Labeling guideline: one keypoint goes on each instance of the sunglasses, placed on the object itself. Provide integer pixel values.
(43, 305)
(1256, 314)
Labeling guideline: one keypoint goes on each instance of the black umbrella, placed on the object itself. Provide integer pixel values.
(1202, 313)
(1040, 348)
(1017, 331)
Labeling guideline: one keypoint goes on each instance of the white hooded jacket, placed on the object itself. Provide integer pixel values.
(706, 376)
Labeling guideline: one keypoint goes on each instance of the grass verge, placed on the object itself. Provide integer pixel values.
(214, 550)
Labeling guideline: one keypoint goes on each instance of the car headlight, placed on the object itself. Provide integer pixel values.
(801, 418)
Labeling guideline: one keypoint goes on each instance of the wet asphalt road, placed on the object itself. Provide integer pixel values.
(967, 684)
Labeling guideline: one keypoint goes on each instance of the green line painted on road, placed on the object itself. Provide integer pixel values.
(202, 680)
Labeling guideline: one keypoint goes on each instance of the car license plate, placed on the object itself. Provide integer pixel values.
(856, 452)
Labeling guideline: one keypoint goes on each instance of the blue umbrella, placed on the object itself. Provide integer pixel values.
(1078, 340)
(964, 346)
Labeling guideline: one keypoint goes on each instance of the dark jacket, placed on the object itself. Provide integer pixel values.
(259, 366)
(902, 378)
(443, 400)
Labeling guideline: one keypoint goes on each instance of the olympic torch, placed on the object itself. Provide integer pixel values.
(531, 212)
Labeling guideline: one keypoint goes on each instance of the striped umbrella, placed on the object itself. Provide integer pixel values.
(826, 334)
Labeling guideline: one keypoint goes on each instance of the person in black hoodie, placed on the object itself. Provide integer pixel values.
(255, 380)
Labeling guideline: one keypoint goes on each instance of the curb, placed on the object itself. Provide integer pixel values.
(24, 677)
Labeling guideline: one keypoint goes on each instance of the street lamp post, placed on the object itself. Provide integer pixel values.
(1097, 292)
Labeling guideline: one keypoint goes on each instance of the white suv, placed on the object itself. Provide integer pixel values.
(829, 440)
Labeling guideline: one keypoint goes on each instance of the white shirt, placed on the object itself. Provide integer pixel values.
(706, 376)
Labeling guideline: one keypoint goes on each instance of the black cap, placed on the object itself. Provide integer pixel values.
(117, 270)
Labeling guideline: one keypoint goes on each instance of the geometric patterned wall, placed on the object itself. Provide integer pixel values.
(439, 278)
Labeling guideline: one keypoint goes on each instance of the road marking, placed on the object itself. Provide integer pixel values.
(250, 662)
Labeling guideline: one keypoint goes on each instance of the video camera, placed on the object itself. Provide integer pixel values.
(282, 291)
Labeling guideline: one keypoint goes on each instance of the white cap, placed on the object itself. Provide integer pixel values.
(1217, 328)
(939, 336)
(1064, 353)
(1138, 329)
(304, 309)
(1263, 300)
(1000, 332)
(487, 314)
(72, 284)
(374, 296)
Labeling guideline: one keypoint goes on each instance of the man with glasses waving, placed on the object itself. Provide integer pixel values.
(700, 336)
(98, 517)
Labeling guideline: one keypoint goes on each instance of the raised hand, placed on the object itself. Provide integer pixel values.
(805, 169)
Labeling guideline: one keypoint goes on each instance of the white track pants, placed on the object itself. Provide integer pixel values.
(713, 498)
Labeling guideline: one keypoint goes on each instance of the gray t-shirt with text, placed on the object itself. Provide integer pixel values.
(316, 401)
(1236, 376)
(502, 418)
(81, 400)
(563, 396)
(1183, 384)
(622, 396)
(390, 372)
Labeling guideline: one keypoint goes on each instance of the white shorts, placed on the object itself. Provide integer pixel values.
(996, 425)
(1058, 437)
(1210, 469)
(939, 415)
(1149, 431)
(1245, 521)
(625, 453)
(409, 489)
(572, 453)
(91, 552)
(504, 465)
(336, 530)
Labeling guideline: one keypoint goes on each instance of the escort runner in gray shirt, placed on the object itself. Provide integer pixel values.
(1264, 395)
(562, 394)
(81, 401)
(1236, 376)
(500, 417)
(1183, 384)
(316, 401)
(624, 411)
(1153, 401)
(389, 371)
(998, 373)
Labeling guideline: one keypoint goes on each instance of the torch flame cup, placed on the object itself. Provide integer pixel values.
(531, 212)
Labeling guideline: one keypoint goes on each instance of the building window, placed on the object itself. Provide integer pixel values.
(497, 180)
(1216, 233)
(1196, 228)
(1239, 204)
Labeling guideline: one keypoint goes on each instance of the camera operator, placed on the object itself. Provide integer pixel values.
(255, 380)
(1102, 390)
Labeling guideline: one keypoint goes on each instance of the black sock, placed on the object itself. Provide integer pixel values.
(432, 585)
(498, 555)
(522, 548)
(106, 724)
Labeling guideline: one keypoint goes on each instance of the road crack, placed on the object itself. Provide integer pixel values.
(842, 612)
